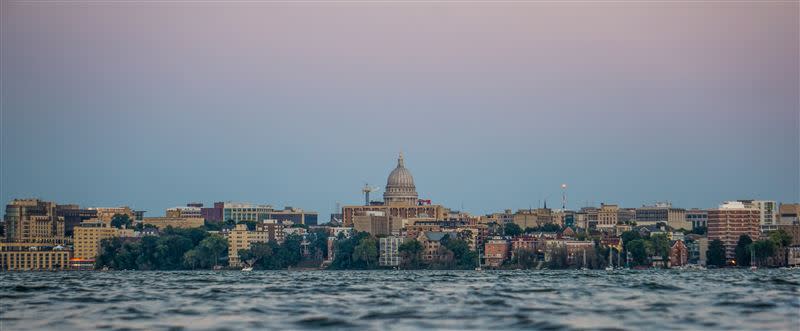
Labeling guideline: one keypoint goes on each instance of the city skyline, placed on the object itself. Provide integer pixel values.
(494, 109)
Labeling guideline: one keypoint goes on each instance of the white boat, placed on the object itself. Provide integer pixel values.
(247, 269)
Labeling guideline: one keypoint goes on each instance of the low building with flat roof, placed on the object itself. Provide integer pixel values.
(175, 222)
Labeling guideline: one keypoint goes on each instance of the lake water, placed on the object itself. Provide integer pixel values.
(401, 300)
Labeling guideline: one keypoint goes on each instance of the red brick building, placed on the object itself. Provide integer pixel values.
(678, 254)
(730, 221)
(496, 251)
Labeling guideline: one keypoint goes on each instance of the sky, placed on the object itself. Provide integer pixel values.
(153, 104)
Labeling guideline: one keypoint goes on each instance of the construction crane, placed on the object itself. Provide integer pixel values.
(366, 190)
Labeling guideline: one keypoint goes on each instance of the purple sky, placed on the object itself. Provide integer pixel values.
(494, 104)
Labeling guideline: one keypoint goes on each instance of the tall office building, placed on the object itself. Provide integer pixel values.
(731, 220)
(34, 221)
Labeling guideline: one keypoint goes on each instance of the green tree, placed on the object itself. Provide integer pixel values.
(512, 229)
(464, 257)
(660, 245)
(742, 251)
(629, 236)
(120, 221)
(209, 252)
(715, 255)
(365, 254)
(556, 256)
(525, 258)
(763, 250)
(781, 239)
(344, 251)
(411, 254)
(638, 251)
(212, 226)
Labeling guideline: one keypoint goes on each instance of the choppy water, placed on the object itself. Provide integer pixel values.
(529, 300)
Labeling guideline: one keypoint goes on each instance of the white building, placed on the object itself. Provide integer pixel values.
(768, 210)
(390, 251)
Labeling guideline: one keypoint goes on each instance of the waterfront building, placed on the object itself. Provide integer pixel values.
(389, 251)
(496, 251)
(663, 212)
(88, 236)
(697, 217)
(176, 222)
(731, 220)
(33, 256)
(793, 256)
(678, 254)
(240, 238)
(525, 243)
(33, 221)
(431, 242)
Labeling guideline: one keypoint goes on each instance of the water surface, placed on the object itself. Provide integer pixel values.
(401, 300)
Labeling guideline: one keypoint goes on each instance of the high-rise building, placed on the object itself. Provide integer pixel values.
(240, 238)
(731, 220)
(34, 221)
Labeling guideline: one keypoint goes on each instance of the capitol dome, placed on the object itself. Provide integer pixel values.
(400, 187)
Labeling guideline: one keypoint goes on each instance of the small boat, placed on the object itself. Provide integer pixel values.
(754, 268)
(609, 268)
(247, 268)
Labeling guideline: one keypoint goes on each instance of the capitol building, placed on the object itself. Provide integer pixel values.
(400, 189)
(400, 199)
